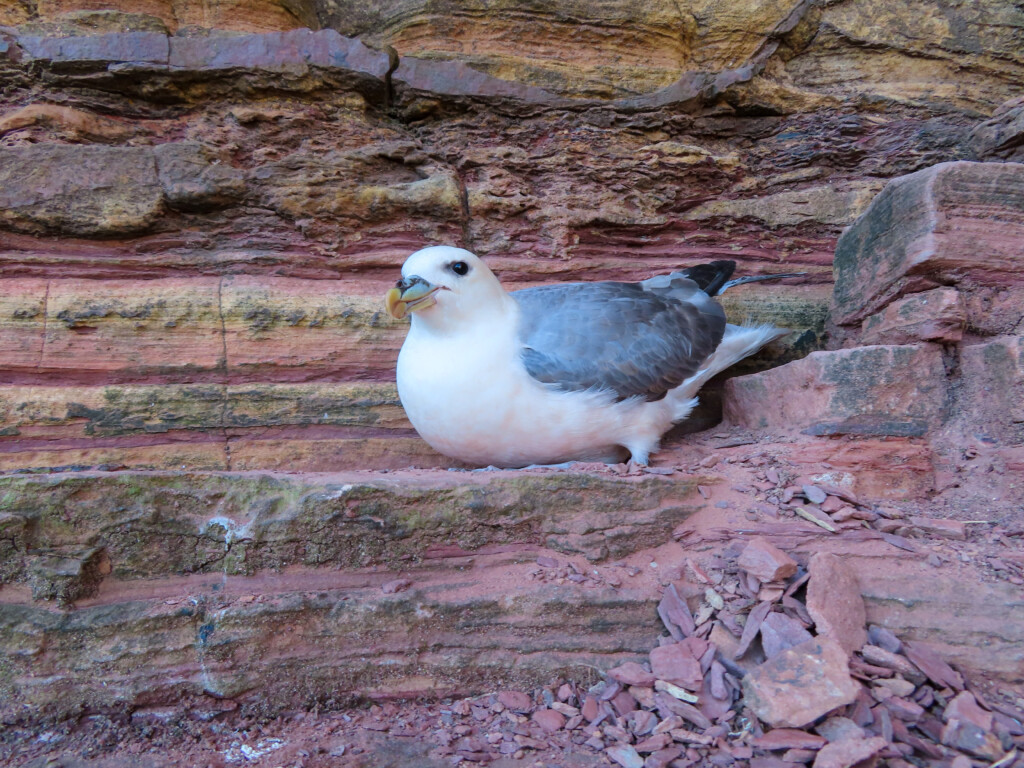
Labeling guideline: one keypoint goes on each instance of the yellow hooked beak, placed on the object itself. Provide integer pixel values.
(410, 294)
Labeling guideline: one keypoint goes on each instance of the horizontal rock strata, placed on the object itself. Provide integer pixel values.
(242, 523)
(202, 203)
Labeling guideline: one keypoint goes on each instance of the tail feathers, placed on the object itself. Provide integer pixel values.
(738, 342)
(754, 279)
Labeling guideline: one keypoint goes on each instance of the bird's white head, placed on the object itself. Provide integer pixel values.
(445, 287)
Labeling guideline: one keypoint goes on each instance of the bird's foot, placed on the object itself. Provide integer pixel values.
(635, 467)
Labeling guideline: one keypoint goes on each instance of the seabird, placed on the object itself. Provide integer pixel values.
(571, 372)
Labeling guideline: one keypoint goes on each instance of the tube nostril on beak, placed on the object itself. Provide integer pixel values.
(408, 282)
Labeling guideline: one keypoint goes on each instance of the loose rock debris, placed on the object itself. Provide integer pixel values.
(792, 680)
(734, 681)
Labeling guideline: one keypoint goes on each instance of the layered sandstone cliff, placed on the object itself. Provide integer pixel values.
(202, 202)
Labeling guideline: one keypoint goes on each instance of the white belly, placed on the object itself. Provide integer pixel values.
(470, 398)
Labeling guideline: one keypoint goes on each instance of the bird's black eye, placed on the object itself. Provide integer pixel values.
(460, 268)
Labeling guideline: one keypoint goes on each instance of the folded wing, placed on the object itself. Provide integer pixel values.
(633, 339)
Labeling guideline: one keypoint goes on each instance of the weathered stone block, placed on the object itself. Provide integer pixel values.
(236, 15)
(282, 323)
(826, 205)
(152, 524)
(64, 18)
(192, 180)
(860, 391)
(138, 47)
(992, 394)
(951, 222)
(374, 182)
(78, 190)
(296, 427)
(177, 326)
(834, 601)
(70, 122)
(1002, 136)
(936, 315)
(309, 636)
(959, 624)
(68, 576)
(288, 51)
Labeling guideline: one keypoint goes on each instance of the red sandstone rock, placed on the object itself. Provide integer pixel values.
(934, 222)
(779, 632)
(675, 664)
(788, 738)
(904, 709)
(549, 720)
(653, 743)
(929, 662)
(970, 738)
(675, 614)
(992, 376)
(309, 242)
(848, 752)
(517, 701)
(623, 703)
(939, 528)
(800, 684)
(641, 722)
(814, 494)
(835, 603)
(858, 391)
(838, 728)
(1002, 136)
(767, 562)
(936, 315)
(663, 757)
(870, 462)
(631, 673)
(964, 707)
(116, 190)
(625, 755)
(750, 629)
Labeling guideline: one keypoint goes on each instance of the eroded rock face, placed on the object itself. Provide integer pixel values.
(201, 203)
(938, 315)
(925, 228)
(111, 191)
(1001, 137)
(993, 385)
(858, 391)
(934, 258)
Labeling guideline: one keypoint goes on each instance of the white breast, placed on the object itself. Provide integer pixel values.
(470, 397)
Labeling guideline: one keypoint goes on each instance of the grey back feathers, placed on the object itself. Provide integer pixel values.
(633, 339)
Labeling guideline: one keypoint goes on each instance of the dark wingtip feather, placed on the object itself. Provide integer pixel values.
(710, 277)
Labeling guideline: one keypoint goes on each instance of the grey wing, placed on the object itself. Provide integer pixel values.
(635, 339)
